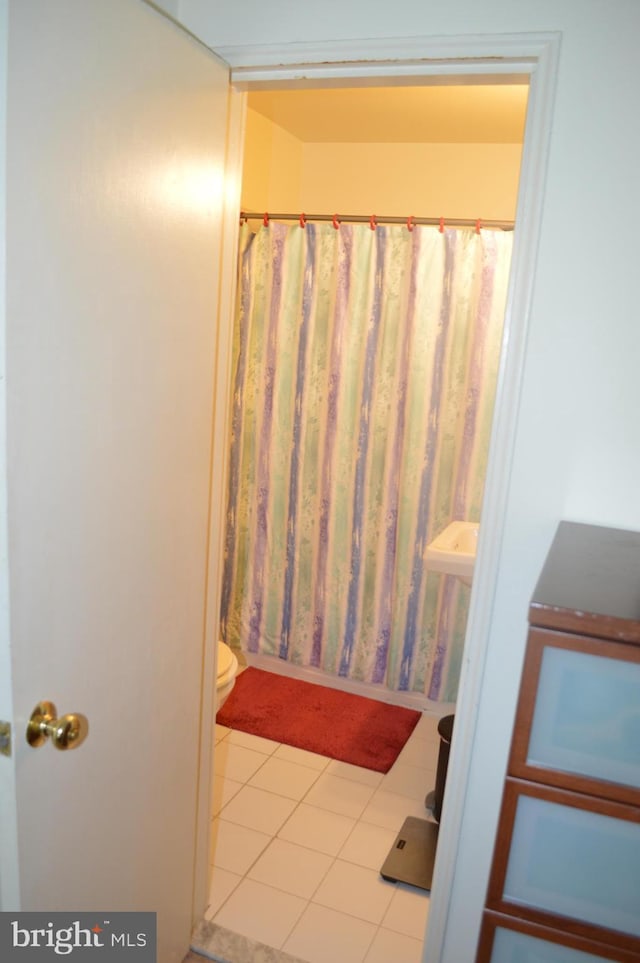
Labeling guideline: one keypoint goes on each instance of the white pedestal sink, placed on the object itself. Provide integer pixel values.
(453, 551)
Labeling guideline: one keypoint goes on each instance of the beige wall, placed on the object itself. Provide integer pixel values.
(430, 180)
(456, 180)
(272, 166)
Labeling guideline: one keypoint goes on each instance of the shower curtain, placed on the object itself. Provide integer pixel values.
(364, 375)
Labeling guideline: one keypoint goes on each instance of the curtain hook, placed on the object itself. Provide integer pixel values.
(372, 222)
(441, 228)
(303, 220)
(478, 225)
(265, 219)
(335, 221)
(410, 222)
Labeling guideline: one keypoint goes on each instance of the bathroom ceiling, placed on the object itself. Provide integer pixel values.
(428, 114)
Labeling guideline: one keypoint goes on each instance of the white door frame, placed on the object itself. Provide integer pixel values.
(502, 58)
(9, 878)
(219, 465)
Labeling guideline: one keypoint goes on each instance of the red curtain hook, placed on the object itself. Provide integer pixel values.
(303, 220)
(478, 225)
(335, 221)
(410, 224)
(372, 222)
(265, 219)
(441, 228)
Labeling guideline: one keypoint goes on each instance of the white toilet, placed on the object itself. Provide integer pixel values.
(227, 671)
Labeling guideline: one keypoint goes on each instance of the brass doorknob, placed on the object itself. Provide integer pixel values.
(67, 732)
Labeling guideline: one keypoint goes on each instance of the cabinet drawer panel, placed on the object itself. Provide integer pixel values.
(575, 862)
(511, 939)
(583, 726)
(512, 947)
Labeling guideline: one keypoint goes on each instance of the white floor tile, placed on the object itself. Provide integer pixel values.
(259, 810)
(356, 891)
(261, 912)
(317, 829)
(249, 741)
(390, 810)
(326, 936)
(234, 847)
(292, 868)
(390, 947)
(339, 795)
(236, 762)
(357, 773)
(368, 845)
(408, 781)
(285, 778)
(320, 809)
(222, 885)
(223, 791)
(418, 752)
(427, 727)
(302, 757)
(408, 912)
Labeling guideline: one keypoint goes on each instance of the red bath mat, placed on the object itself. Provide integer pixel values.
(337, 724)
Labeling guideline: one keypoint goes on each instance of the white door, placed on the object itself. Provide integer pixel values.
(116, 125)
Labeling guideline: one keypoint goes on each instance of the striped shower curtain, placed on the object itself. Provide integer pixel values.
(365, 366)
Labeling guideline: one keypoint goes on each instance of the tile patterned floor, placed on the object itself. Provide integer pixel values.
(297, 843)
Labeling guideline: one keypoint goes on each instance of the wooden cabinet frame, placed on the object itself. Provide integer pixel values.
(513, 791)
(587, 602)
(539, 641)
(493, 921)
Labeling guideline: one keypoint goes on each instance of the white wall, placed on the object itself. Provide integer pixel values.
(169, 6)
(577, 448)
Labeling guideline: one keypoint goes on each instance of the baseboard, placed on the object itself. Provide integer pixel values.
(410, 700)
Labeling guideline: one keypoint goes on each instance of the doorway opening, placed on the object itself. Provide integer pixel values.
(451, 151)
(272, 187)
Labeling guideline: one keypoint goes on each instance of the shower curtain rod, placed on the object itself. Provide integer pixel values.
(373, 220)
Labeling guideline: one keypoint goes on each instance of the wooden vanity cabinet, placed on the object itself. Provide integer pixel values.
(565, 877)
